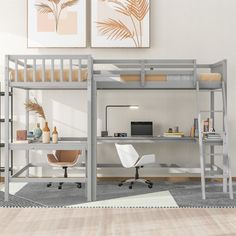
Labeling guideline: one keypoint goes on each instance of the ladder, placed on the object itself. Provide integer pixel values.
(205, 144)
(2, 121)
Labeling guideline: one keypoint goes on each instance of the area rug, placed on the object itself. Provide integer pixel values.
(164, 194)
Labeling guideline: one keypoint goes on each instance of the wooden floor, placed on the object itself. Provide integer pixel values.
(89, 222)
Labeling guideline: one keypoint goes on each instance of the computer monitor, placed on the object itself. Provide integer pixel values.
(141, 128)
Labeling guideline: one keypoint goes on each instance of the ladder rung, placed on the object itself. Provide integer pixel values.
(3, 94)
(215, 133)
(2, 169)
(214, 154)
(3, 120)
(213, 142)
(211, 90)
(211, 111)
(215, 176)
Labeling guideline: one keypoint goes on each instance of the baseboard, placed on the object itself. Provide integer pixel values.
(170, 178)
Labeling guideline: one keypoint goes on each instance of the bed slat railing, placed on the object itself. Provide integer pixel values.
(79, 70)
(25, 70)
(142, 74)
(61, 70)
(34, 70)
(43, 70)
(47, 68)
(70, 70)
(16, 70)
(144, 68)
(52, 70)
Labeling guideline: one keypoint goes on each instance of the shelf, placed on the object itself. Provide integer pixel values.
(49, 85)
(61, 145)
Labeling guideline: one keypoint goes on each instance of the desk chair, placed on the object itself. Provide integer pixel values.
(64, 159)
(131, 159)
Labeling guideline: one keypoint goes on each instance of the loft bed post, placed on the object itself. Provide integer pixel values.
(200, 138)
(92, 134)
(6, 176)
(27, 128)
(11, 124)
(212, 116)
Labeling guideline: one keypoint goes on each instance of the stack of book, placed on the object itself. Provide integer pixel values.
(212, 136)
(173, 135)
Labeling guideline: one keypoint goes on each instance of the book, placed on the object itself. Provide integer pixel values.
(173, 135)
(22, 141)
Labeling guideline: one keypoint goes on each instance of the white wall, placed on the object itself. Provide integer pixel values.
(200, 29)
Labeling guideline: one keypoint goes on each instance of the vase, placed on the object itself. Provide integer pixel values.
(38, 132)
(46, 134)
(55, 135)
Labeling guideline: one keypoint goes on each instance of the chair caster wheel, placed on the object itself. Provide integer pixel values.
(79, 185)
(49, 185)
(59, 187)
(150, 185)
(130, 187)
(120, 185)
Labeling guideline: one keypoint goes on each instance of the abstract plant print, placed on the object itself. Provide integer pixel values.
(120, 23)
(57, 23)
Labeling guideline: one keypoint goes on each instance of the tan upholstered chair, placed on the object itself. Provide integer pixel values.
(64, 159)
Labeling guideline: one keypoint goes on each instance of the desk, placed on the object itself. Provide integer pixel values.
(153, 139)
(61, 145)
(172, 168)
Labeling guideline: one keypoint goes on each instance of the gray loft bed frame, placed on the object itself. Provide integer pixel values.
(99, 79)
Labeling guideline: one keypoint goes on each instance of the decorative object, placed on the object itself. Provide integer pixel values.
(34, 106)
(120, 135)
(56, 23)
(192, 132)
(55, 135)
(46, 134)
(175, 129)
(104, 133)
(124, 23)
(21, 135)
(38, 132)
(170, 130)
(117, 106)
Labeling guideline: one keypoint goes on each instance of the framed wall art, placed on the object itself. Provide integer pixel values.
(56, 23)
(120, 23)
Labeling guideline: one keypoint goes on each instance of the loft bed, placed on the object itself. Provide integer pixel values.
(158, 74)
(47, 72)
(84, 73)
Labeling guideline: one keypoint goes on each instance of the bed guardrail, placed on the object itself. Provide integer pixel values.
(142, 68)
(44, 64)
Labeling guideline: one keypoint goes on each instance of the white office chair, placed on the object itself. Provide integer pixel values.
(130, 158)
